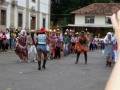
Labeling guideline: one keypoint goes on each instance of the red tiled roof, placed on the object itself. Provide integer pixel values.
(99, 8)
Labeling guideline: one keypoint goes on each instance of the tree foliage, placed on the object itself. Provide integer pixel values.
(60, 9)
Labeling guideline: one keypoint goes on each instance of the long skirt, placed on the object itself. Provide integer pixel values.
(22, 52)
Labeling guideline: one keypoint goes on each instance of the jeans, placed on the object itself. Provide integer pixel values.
(65, 52)
(41, 47)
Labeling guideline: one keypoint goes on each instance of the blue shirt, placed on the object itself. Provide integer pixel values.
(41, 39)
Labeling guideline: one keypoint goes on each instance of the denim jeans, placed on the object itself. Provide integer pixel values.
(41, 47)
(65, 52)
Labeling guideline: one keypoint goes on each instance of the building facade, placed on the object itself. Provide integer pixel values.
(95, 18)
(24, 14)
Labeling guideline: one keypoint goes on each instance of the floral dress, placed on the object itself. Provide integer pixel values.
(21, 48)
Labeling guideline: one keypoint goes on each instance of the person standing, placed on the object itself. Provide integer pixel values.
(58, 44)
(82, 40)
(41, 48)
(66, 41)
(31, 43)
(91, 48)
(4, 41)
(1, 40)
(102, 46)
(8, 38)
(109, 42)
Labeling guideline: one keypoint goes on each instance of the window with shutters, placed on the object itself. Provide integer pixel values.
(44, 21)
(89, 19)
(33, 1)
(3, 17)
(20, 16)
(107, 20)
(33, 22)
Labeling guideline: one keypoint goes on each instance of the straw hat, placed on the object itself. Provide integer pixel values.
(32, 30)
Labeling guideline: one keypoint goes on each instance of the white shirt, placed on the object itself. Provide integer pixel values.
(8, 35)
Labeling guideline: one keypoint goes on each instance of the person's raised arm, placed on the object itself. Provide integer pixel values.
(114, 79)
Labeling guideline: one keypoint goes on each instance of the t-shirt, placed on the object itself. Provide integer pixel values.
(66, 39)
(8, 35)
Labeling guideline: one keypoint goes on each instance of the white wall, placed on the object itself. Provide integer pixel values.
(44, 13)
(47, 22)
(16, 17)
(22, 3)
(79, 19)
(98, 20)
(8, 0)
(40, 22)
(44, 6)
(8, 15)
(24, 19)
(33, 4)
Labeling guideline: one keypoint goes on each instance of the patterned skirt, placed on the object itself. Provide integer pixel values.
(22, 52)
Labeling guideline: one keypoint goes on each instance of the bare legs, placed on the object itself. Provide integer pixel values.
(40, 58)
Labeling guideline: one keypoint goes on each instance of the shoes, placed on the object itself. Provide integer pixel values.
(44, 63)
(107, 63)
(39, 65)
(76, 63)
(35, 61)
(43, 67)
(20, 60)
(28, 60)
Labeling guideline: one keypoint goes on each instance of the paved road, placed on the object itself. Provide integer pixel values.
(60, 74)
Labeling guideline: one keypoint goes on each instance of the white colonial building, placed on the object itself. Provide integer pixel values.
(95, 18)
(24, 14)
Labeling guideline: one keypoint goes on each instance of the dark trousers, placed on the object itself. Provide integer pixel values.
(102, 47)
(3, 47)
(57, 52)
(0, 44)
(95, 47)
(78, 55)
(91, 47)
